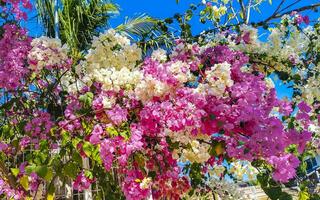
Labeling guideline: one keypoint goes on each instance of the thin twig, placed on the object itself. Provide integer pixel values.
(278, 15)
(285, 8)
(248, 13)
(243, 10)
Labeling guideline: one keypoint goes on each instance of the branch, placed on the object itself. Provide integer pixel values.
(285, 8)
(278, 15)
(243, 10)
(248, 13)
(5, 172)
(310, 7)
(278, 8)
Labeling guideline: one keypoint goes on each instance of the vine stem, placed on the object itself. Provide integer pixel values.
(7, 175)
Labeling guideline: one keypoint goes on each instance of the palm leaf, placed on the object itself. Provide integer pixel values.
(79, 20)
(146, 31)
(138, 26)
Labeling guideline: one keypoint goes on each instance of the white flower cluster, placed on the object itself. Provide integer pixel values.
(269, 82)
(150, 87)
(159, 55)
(286, 48)
(112, 50)
(180, 71)
(70, 83)
(240, 168)
(218, 78)
(279, 45)
(145, 183)
(47, 53)
(198, 151)
(311, 91)
(113, 79)
(216, 170)
(111, 61)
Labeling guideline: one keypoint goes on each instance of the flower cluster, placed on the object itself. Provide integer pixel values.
(39, 129)
(111, 60)
(15, 45)
(161, 124)
(284, 166)
(15, 8)
(240, 169)
(48, 53)
(82, 182)
(166, 110)
(5, 189)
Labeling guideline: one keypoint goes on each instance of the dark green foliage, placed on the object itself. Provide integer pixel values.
(272, 188)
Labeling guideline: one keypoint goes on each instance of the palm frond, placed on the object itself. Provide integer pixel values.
(45, 9)
(139, 26)
(79, 20)
(147, 32)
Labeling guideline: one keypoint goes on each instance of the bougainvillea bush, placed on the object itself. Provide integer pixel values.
(166, 125)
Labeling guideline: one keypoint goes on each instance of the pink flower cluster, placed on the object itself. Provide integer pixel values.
(284, 167)
(176, 108)
(131, 186)
(82, 182)
(9, 192)
(299, 19)
(133, 135)
(14, 6)
(38, 128)
(117, 149)
(71, 123)
(15, 45)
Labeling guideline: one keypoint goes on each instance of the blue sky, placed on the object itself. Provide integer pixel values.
(162, 9)
(167, 8)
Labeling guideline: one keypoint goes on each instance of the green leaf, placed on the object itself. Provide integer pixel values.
(77, 157)
(15, 171)
(29, 169)
(270, 1)
(49, 175)
(282, 75)
(138, 26)
(44, 172)
(41, 171)
(112, 131)
(71, 170)
(88, 174)
(285, 196)
(24, 182)
(304, 195)
(51, 192)
(272, 188)
(86, 99)
(188, 15)
(88, 148)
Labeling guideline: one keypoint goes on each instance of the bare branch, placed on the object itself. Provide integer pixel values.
(310, 7)
(285, 8)
(279, 6)
(243, 10)
(278, 15)
(248, 13)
